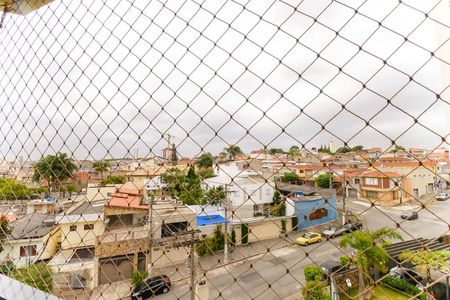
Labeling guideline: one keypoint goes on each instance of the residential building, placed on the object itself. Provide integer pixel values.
(247, 191)
(74, 265)
(383, 188)
(34, 237)
(311, 206)
(421, 175)
(124, 246)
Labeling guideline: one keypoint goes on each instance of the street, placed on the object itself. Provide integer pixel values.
(274, 269)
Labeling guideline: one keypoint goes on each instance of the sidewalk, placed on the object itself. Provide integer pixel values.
(180, 274)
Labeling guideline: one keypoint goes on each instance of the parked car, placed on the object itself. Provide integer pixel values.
(332, 267)
(153, 286)
(333, 232)
(438, 290)
(309, 238)
(409, 215)
(408, 275)
(442, 196)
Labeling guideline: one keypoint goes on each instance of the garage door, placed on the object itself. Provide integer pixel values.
(115, 269)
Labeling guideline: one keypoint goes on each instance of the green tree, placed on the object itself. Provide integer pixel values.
(113, 180)
(290, 177)
(426, 260)
(344, 150)
(397, 148)
(295, 151)
(4, 230)
(278, 205)
(138, 277)
(313, 273)
(214, 196)
(232, 151)
(276, 151)
(316, 290)
(100, 167)
(324, 181)
(324, 150)
(38, 275)
(206, 160)
(174, 155)
(71, 189)
(11, 189)
(357, 148)
(369, 248)
(345, 261)
(54, 169)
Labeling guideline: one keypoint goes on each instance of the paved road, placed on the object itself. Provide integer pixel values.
(278, 273)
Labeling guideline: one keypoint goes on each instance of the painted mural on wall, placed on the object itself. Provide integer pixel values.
(318, 214)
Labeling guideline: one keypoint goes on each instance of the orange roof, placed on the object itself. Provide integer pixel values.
(374, 149)
(380, 174)
(10, 218)
(127, 198)
(407, 164)
(261, 151)
(400, 158)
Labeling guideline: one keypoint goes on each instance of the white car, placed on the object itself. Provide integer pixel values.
(442, 197)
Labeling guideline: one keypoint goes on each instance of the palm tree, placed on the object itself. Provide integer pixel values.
(205, 160)
(232, 151)
(54, 169)
(100, 166)
(426, 260)
(369, 247)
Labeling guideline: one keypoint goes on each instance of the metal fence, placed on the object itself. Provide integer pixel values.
(224, 149)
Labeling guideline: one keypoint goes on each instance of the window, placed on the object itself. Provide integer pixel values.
(371, 181)
(371, 194)
(30, 250)
(356, 180)
(268, 192)
(73, 228)
(89, 227)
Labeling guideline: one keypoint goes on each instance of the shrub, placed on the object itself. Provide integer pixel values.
(313, 273)
(402, 285)
(138, 277)
(345, 261)
(315, 290)
(283, 227)
(38, 275)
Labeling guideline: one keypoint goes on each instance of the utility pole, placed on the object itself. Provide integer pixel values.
(225, 248)
(150, 229)
(192, 260)
(344, 195)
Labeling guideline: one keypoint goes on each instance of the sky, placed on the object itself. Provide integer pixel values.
(100, 79)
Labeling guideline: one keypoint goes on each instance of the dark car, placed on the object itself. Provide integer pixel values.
(409, 215)
(438, 290)
(408, 275)
(153, 286)
(332, 267)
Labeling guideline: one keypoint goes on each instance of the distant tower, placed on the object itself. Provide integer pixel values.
(332, 146)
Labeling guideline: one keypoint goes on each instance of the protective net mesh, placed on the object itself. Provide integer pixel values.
(224, 149)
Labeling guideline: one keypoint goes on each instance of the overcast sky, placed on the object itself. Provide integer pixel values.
(101, 78)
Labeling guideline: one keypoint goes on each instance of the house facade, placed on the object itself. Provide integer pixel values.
(247, 191)
(34, 238)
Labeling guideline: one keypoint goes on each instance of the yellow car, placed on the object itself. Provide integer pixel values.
(309, 238)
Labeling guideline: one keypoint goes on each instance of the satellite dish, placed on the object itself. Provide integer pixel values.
(107, 220)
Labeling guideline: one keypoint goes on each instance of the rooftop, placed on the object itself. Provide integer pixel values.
(89, 207)
(34, 225)
(380, 174)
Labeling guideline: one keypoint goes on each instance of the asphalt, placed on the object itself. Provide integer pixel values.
(273, 269)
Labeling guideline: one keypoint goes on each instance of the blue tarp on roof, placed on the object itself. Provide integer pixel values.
(210, 220)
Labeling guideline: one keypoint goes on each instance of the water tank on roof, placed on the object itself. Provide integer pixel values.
(298, 193)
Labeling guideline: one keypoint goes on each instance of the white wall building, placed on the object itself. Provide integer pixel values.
(247, 190)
